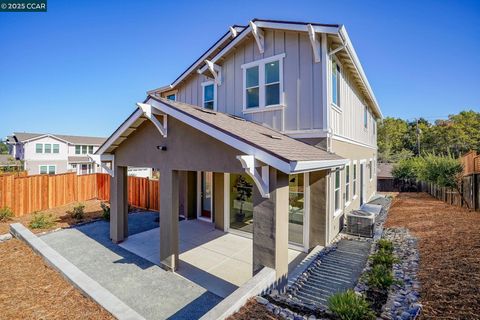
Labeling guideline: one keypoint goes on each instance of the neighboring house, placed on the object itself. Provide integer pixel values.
(54, 153)
(9, 164)
(271, 133)
(385, 179)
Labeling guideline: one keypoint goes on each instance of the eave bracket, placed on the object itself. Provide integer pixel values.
(259, 174)
(259, 36)
(148, 113)
(315, 42)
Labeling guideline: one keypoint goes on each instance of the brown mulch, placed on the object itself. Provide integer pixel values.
(253, 310)
(61, 216)
(449, 244)
(29, 289)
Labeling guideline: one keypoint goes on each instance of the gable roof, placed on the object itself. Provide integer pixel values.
(337, 34)
(267, 145)
(27, 136)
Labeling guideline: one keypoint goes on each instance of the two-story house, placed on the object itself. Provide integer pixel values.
(269, 134)
(44, 153)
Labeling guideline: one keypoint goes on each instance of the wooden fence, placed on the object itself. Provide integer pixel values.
(470, 190)
(40, 192)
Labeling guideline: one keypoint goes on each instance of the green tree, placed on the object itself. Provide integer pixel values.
(391, 136)
(3, 148)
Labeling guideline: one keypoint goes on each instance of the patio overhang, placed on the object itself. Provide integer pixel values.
(266, 146)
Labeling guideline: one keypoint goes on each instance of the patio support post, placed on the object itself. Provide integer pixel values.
(119, 205)
(169, 219)
(270, 227)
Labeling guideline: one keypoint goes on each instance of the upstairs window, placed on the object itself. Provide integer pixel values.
(78, 149)
(335, 84)
(209, 95)
(90, 149)
(38, 148)
(263, 82)
(172, 97)
(56, 148)
(48, 148)
(365, 117)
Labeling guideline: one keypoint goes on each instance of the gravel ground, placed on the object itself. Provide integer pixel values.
(60, 215)
(31, 290)
(253, 310)
(449, 244)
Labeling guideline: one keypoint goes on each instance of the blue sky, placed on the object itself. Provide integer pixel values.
(81, 67)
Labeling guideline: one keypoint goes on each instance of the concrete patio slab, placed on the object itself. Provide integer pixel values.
(142, 285)
(219, 262)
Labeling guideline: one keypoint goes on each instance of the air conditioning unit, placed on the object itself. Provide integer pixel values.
(361, 223)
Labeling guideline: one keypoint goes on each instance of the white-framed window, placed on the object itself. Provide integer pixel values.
(263, 83)
(47, 169)
(370, 169)
(347, 183)
(172, 97)
(354, 180)
(90, 149)
(337, 192)
(83, 149)
(38, 148)
(365, 117)
(56, 148)
(209, 95)
(47, 148)
(78, 149)
(336, 72)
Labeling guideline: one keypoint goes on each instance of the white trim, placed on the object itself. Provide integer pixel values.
(45, 136)
(215, 70)
(261, 82)
(325, 95)
(314, 133)
(303, 166)
(354, 179)
(265, 109)
(349, 140)
(296, 27)
(208, 83)
(340, 203)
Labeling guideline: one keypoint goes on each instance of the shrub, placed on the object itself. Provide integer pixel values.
(106, 211)
(380, 277)
(386, 245)
(383, 257)
(78, 211)
(350, 306)
(41, 221)
(5, 214)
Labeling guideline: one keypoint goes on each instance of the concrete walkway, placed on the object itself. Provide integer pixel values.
(145, 287)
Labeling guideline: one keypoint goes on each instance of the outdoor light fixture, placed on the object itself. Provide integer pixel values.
(163, 148)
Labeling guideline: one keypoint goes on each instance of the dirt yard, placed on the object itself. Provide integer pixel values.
(60, 216)
(32, 290)
(253, 310)
(449, 244)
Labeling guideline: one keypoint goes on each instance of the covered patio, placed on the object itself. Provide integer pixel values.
(201, 155)
(215, 260)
